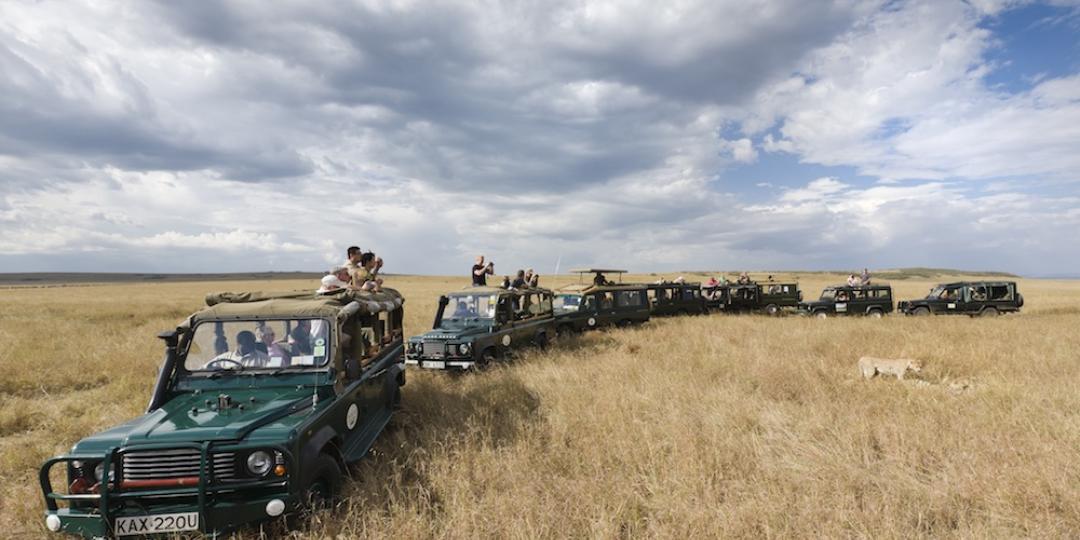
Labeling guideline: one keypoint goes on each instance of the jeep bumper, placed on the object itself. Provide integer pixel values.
(215, 517)
(219, 507)
(441, 363)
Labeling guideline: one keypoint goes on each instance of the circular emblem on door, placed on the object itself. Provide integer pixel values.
(592, 321)
(506, 341)
(351, 416)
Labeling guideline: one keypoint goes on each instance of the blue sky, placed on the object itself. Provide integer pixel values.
(176, 137)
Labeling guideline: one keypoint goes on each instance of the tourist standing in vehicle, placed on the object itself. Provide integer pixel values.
(367, 278)
(599, 280)
(352, 261)
(519, 281)
(865, 277)
(534, 280)
(481, 271)
(338, 278)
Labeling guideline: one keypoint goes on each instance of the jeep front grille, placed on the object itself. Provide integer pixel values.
(179, 463)
(434, 349)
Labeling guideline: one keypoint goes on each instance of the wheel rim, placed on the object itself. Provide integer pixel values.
(317, 495)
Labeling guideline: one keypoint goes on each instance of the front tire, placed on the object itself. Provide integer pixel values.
(542, 341)
(921, 311)
(875, 313)
(323, 484)
(821, 314)
(989, 312)
(488, 357)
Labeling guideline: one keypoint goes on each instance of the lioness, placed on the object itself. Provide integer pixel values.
(871, 367)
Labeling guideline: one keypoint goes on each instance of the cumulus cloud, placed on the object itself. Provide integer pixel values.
(246, 136)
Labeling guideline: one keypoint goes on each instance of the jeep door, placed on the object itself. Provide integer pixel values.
(502, 335)
(1002, 296)
(362, 403)
(951, 300)
(842, 301)
(606, 312)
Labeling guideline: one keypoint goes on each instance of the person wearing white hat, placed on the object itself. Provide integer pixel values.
(337, 279)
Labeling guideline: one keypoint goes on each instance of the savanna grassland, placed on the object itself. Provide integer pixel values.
(709, 426)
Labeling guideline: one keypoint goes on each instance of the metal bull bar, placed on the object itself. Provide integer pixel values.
(108, 492)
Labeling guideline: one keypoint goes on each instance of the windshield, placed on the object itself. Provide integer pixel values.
(470, 306)
(828, 294)
(241, 345)
(568, 302)
(936, 292)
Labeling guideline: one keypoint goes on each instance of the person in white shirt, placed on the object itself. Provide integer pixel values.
(246, 353)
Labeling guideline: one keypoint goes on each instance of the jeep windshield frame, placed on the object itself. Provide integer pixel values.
(465, 308)
(299, 344)
(562, 301)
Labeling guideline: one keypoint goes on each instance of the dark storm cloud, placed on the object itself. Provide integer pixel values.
(432, 63)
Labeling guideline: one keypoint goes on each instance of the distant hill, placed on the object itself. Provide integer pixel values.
(926, 273)
(71, 278)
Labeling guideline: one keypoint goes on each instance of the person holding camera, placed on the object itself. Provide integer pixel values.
(481, 271)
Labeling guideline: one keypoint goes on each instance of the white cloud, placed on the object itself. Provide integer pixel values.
(175, 136)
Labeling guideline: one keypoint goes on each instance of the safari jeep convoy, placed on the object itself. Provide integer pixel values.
(868, 300)
(264, 399)
(261, 402)
(974, 298)
(479, 325)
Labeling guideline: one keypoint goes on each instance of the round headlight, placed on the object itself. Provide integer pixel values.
(463, 348)
(259, 462)
(99, 471)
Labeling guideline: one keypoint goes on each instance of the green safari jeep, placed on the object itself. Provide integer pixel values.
(261, 402)
(587, 307)
(479, 325)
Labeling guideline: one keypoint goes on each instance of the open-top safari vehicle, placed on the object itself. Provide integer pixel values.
(769, 298)
(479, 325)
(982, 298)
(868, 300)
(261, 402)
(600, 303)
(675, 298)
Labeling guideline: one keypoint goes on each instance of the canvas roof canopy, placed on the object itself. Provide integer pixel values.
(296, 304)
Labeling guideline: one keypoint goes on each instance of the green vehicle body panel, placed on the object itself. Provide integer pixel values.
(440, 348)
(675, 299)
(601, 306)
(736, 298)
(294, 414)
(860, 301)
(970, 298)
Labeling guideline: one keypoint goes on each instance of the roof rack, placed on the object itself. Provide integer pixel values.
(582, 271)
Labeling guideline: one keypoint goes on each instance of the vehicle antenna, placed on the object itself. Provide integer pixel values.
(558, 261)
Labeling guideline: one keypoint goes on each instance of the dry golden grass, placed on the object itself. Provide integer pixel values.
(699, 426)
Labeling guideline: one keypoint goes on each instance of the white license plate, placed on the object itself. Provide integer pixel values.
(158, 523)
(433, 365)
